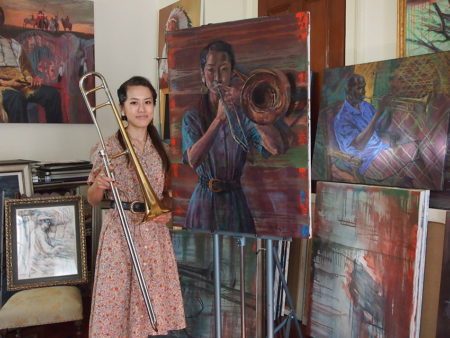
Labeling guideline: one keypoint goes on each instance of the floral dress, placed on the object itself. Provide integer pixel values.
(118, 307)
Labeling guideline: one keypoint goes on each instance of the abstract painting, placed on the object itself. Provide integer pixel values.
(385, 123)
(45, 242)
(240, 126)
(443, 320)
(194, 255)
(48, 45)
(368, 260)
(423, 27)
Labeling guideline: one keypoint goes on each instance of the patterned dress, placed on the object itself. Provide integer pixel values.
(118, 308)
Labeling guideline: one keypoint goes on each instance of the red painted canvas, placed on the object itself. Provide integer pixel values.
(239, 102)
(46, 47)
(368, 261)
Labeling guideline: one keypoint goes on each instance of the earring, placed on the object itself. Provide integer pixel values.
(203, 89)
(124, 118)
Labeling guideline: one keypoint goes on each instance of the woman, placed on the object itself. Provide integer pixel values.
(217, 148)
(118, 308)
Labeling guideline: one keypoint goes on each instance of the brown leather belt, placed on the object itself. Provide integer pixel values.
(218, 185)
(135, 207)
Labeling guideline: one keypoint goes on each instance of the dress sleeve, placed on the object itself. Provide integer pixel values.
(191, 132)
(97, 163)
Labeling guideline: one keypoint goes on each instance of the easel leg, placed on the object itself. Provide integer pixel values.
(217, 307)
(241, 243)
(269, 287)
(292, 315)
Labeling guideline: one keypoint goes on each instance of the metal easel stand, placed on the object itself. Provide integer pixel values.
(217, 302)
(286, 323)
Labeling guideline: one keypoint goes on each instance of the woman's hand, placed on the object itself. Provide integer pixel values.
(97, 189)
(102, 181)
(163, 218)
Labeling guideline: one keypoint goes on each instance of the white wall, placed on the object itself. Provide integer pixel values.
(126, 45)
(371, 31)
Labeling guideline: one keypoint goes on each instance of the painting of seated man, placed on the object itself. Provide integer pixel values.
(385, 123)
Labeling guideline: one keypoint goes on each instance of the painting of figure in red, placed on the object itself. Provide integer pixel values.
(46, 48)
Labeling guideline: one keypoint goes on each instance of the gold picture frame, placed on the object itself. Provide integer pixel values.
(45, 242)
(420, 28)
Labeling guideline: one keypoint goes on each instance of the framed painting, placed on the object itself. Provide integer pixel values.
(16, 178)
(50, 43)
(423, 27)
(45, 242)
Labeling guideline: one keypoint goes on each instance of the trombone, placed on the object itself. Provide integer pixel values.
(153, 207)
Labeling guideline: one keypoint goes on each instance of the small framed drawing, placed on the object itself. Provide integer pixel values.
(45, 242)
(16, 178)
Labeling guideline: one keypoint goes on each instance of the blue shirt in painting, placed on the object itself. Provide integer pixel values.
(349, 123)
(225, 160)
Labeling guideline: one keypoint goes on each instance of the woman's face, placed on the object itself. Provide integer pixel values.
(139, 106)
(217, 70)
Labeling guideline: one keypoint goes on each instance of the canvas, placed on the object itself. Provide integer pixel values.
(194, 255)
(368, 259)
(397, 134)
(443, 320)
(254, 177)
(53, 42)
(423, 27)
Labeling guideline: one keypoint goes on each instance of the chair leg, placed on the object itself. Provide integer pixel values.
(78, 328)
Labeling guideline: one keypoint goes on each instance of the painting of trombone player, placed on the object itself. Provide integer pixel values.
(239, 126)
(385, 123)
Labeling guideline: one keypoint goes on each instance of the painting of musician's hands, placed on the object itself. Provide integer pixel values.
(46, 46)
(239, 125)
(45, 242)
(386, 123)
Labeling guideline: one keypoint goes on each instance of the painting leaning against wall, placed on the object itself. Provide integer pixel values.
(46, 47)
(368, 261)
(385, 123)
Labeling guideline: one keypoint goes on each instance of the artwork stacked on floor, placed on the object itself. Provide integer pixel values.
(385, 123)
(253, 177)
(443, 320)
(194, 255)
(368, 261)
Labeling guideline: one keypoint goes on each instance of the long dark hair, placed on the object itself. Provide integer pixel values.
(152, 132)
(216, 46)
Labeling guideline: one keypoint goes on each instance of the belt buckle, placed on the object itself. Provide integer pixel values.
(211, 183)
(132, 207)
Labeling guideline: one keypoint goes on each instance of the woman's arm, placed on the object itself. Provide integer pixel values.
(97, 188)
(197, 152)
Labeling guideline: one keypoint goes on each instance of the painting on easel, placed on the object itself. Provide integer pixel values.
(240, 126)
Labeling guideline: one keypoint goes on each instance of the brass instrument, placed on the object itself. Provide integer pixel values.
(403, 99)
(153, 207)
(265, 96)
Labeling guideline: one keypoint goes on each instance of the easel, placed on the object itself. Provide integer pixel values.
(271, 258)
